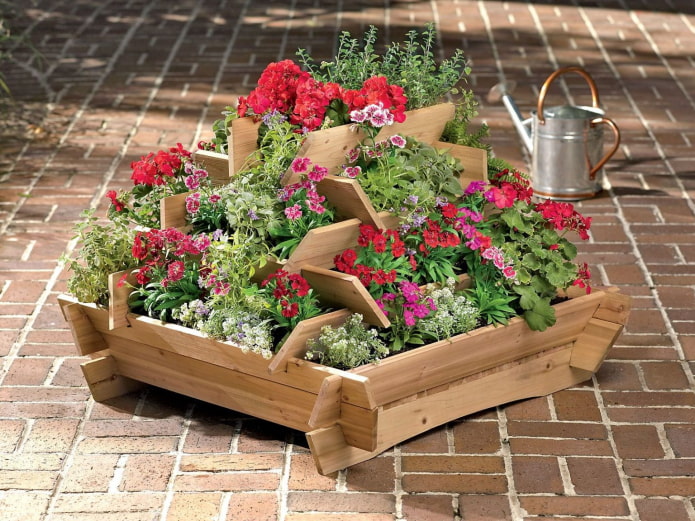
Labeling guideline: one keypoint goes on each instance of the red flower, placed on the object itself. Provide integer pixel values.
(450, 211)
(175, 271)
(113, 196)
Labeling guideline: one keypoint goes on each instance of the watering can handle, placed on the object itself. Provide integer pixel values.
(551, 78)
(613, 150)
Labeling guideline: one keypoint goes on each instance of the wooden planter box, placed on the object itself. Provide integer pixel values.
(351, 416)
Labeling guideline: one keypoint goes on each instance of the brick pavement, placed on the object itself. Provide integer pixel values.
(123, 78)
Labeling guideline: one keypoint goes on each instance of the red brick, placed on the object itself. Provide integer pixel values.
(11, 432)
(681, 438)
(239, 481)
(303, 475)
(574, 506)
(375, 475)
(590, 431)
(455, 483)
(431, 441)
(637, 441)
(655, 509)
(576, 406)
(51, 435)
(253, 506)
(90, 473)
(484, 508)
(664, 375)
(533, 409)
(432, 508)
(560, 447)
(533, 474)
(340, 502)
(454, 464)
(146, 472)
(477, 438)
(618, 376)
(660, 467)
(584, 471)
(195, 507)
(663, 486)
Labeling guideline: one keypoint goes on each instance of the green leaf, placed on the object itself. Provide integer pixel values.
(541, 317)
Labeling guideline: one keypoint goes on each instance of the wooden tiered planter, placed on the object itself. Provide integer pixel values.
(348, 416)
(351, 416)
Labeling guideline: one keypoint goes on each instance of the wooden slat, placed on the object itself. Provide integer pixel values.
(216, 164)
(326, 409)
(222, 386)
(349, 200)
(421, 369)
(341, 290)
(359, 426)
(242, 142)
(327, 148)
(592, 346)
(615, 307)
(534, 376)
(87, 339)
(120, 287)
(295, 345)
(172, 211)
(473, 160)
(104, 381)
(320, 245)
(425, 124)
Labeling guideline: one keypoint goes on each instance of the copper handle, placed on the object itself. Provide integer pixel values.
(616, 144)
(551, 78)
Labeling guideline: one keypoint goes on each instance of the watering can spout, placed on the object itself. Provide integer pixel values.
(502, 92)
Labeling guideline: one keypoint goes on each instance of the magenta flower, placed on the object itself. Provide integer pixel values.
(293, 212)
(300, 165)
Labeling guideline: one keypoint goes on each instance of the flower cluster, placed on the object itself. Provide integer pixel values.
(283, 87)
(155, 176)
(289, 298)
(379, 262)
(405, 308)
(564, 217)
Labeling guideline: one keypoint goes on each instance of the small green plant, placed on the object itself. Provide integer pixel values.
(410, 64)
(454, 313)
(347, 346)
(103, 249)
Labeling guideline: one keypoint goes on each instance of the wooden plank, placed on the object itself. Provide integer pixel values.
(295, 345)
(326, 409)
(87, 339)
(341, 290)
(473, 160)
(222, 386)
(327, 148)
(242, 142)
(172, 212)
(592, 346)
(320, 245)
(537, 375)
(359, 426)
(425, 124)
(216, 164)
(120, 287)
(448, 360)
(349, 199)
(104, 381)
(615, 307)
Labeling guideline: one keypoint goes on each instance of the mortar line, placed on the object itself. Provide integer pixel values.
(516, 510)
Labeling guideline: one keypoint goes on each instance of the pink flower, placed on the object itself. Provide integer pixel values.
(352, 171)
(317, 173)
(300, 165)
(175, 271)
(293, 212)
(397, 141)
(509, 272)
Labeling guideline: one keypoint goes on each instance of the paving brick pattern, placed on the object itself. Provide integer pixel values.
(125, 77)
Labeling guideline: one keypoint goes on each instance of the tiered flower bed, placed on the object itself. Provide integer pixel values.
(350, 415)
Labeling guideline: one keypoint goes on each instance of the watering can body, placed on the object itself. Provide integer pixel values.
(566, 144)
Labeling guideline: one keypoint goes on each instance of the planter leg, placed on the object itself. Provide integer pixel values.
(332, 453)
(104, 381)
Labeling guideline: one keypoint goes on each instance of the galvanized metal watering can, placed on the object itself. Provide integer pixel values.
(565, 142)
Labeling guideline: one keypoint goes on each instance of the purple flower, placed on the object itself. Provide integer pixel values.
(252, 215)
(474, 186)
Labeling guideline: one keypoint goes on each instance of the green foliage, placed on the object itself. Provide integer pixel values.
(103, 249)
(492, 301)
(418, 170)
(410, 64)
(347, 346)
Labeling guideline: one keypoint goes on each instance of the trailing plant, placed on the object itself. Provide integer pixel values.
(103, 249)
